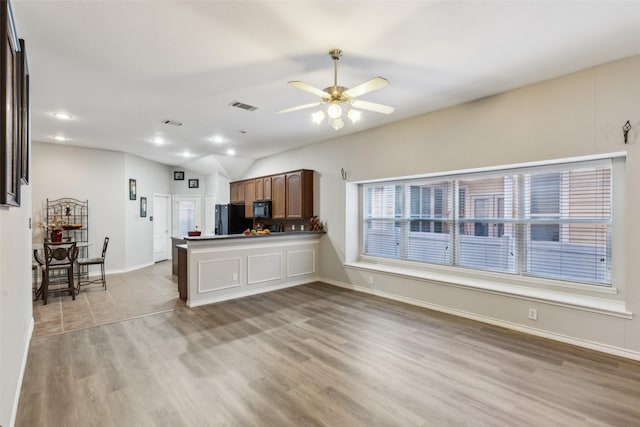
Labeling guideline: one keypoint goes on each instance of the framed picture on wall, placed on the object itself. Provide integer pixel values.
(178, 175)
(10, 160)
(143, 207)
(132, 189)
(24, 118)
(194, 183)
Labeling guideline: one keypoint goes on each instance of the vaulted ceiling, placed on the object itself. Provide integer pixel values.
(121, 68)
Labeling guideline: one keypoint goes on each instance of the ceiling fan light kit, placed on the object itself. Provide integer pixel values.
(354, 115)
(336, 95)
(334, 111)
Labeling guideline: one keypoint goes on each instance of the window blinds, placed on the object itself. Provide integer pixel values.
(548, 221)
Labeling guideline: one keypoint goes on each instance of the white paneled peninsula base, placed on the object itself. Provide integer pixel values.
(219, 268)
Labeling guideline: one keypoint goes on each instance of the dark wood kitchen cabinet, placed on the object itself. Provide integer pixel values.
(291, 194)
(236, 190)
(299, 194)
(249, 197)
(259, 182)
(267, 187)
(278, 196)
(263, 188)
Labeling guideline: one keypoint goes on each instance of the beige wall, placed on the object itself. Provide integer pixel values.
(102, 178)
(16, 318)
(83, 174)
(576, 115)
(151, 177)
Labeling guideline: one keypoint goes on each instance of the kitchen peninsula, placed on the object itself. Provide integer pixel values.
(218, 268)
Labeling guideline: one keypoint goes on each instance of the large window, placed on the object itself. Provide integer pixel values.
(550, 221)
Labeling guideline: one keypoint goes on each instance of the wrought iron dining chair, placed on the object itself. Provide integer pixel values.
(86, 262)
(34, 280)
(59, 258)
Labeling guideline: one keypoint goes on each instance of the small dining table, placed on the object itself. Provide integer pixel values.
(38, 249)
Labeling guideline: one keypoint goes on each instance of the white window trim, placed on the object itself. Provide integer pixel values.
(600, 299)
(576, 300)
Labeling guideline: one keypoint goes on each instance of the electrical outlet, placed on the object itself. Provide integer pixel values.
(371, 280)
(533, 314)
(235, 276)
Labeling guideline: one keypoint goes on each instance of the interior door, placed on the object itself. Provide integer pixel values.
(161, 227)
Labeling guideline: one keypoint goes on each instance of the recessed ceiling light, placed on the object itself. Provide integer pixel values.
(231, 152)
(59, 138)
(218, 139)
(186, 154)
(158, 140)
(62, 116)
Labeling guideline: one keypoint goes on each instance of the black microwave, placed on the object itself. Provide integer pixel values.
(262, 209)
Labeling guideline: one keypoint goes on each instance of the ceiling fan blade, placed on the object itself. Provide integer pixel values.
(301, 85)
(301, 107)
(372, 106)
(366, 87)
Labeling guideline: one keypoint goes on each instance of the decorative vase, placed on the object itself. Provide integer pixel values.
(56, 236)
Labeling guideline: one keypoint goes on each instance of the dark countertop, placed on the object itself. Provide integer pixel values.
(274, 234)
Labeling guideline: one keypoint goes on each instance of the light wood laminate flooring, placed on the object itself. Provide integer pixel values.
(318, 355)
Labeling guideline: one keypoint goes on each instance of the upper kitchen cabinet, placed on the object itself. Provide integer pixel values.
(266, 181)
(259, 183)
(278, 196)
(299, 190)
(249, 197)
(263, 188)
(291, 194)
(236, 190)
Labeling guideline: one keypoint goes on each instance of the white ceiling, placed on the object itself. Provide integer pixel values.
(122, 67)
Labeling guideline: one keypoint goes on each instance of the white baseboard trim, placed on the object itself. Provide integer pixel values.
(604, 348)
(250, 291)
(23, 367)
(124, 270)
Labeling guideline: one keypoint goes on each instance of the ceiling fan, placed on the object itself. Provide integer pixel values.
(336, 95)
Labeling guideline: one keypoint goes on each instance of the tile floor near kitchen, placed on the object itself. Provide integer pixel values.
(146, 291)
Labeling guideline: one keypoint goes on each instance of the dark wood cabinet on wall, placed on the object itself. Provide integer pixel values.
(278, 196)
(263, 188)
(291, 194)
(236, 190)
(249, 197)
(259, 182)
(266, 186)
(299, 194)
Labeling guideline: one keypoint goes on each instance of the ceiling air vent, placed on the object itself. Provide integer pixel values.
(172, 123)
(243, 106)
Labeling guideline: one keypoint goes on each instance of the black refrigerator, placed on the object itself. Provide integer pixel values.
(230, 219)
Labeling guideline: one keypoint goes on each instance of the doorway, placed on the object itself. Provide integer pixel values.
(186, 215)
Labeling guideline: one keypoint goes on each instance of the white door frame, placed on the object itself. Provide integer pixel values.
(176, 199)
